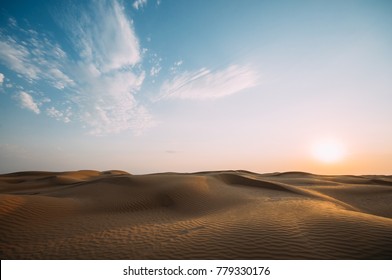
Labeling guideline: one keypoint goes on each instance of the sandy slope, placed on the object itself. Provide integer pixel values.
(206, 215)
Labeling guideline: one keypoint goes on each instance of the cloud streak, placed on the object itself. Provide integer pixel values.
(140, 4)
(26, 101)
(205, 84)
(35, 57)
(17, 58)
(97, 77)
(104, 37)
(107, 71)
(60, 116)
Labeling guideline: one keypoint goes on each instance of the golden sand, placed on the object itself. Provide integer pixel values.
(206, 215)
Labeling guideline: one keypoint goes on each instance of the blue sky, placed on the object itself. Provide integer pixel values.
(152, 86)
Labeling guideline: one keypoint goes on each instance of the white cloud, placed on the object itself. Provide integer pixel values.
(124, 48)
(155, 70)
(98, 86)
(105, 37)
(61, 80)
(207, 84)
(140, 4)
(26, 101)
(35, 58)
(58, 115)
(176, 66)
(17, 58)
(155, 62)
(112, 107)
(106, 71)
(1, 78)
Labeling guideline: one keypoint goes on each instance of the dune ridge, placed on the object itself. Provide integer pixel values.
(89, 214)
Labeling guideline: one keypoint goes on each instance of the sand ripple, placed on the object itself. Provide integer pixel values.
(208, 215)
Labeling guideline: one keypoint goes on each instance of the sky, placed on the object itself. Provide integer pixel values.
(151, 86)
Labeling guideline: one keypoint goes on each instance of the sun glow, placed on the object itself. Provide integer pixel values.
(328, 151)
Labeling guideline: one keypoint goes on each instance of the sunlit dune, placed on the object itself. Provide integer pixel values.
(205, 215)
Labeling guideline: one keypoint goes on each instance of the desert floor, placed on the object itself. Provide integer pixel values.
(206, 215)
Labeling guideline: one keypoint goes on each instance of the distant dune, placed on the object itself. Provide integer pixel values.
(205, 215)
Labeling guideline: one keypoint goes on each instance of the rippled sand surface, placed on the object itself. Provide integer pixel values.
(206, 215)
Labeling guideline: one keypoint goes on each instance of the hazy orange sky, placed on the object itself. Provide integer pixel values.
(155, 86)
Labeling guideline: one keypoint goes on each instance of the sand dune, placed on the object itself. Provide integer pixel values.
(206, 215)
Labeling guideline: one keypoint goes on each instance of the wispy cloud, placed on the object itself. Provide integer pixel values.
(104, 36)
(175, 68)
(35, 57)
(58, 115)
(207, 84)
(17, 58)
(155, 71)
(140, 4)
(155, 62)
(60, 80)
(99, 83)
(26, 101)
(107, 73)
(1, 78)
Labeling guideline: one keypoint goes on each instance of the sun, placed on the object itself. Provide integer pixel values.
(328, 151)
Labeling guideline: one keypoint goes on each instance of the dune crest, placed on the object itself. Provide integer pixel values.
(206, 215)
